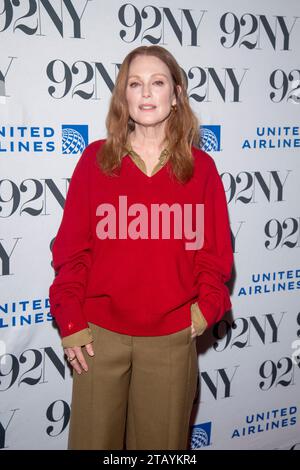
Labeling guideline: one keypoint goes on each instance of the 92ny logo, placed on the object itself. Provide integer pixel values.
(57, 414)
(92, 80)
(35, 197)
(157, 25)
(152, 23)
(30, 368)
(32, 17)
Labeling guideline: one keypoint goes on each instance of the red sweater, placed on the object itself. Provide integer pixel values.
(138, 286)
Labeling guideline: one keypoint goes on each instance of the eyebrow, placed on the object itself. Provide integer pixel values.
(137, 76)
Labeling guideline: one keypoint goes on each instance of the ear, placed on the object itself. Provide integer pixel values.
(178, 88)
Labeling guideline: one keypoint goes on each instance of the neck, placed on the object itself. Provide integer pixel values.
(149, 137)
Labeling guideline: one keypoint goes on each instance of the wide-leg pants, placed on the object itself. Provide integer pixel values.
(137, 394)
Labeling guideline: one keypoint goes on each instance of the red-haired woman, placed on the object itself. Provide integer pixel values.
(132, 291)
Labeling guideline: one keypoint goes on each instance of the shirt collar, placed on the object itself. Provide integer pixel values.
(163, 158)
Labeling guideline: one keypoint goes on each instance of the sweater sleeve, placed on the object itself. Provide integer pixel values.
(81, 338)
(214, 261)
(71, 254)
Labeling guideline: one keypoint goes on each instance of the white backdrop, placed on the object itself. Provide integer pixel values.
(58, 63)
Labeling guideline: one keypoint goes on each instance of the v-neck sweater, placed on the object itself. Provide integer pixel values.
(112, 272)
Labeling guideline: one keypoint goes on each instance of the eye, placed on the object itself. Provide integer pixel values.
(133, 84)
(159, 82)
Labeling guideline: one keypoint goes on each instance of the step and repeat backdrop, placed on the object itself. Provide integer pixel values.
(58, 64)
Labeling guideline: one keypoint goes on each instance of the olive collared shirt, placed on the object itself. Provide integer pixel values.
(83, 337)
(163, 158)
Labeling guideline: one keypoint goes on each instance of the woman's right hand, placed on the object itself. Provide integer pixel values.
(76, 358)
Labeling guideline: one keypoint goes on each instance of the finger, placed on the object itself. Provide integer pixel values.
(72, 354)
(69, 352)
(193, 331)
(81, 360)
(89, 349)
(76, 366)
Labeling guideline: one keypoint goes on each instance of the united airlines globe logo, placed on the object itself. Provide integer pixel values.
(210, 138)
(201, 435)
(199, 439)
(74, 139)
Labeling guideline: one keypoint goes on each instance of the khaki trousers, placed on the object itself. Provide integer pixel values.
(137, 394)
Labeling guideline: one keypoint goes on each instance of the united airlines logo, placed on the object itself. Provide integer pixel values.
(18, 313)
(268, 420)
(74, 139)
(42, 140)
(210, 138)
(273, 137)
(201, 435)
(260, 283)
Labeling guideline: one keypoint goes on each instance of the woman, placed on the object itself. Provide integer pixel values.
(131, 291)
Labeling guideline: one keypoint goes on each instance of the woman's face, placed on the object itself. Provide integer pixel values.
(149, 90)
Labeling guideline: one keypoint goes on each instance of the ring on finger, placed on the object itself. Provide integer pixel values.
(70, 360)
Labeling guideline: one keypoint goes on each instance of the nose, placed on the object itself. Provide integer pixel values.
(146, 91)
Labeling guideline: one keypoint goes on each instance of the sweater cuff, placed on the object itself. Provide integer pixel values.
(81, 338)
(199, 322)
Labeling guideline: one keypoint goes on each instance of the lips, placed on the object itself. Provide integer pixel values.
(147, 107)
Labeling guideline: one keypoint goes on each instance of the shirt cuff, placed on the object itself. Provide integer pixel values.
(199, 322)
(81, 338)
